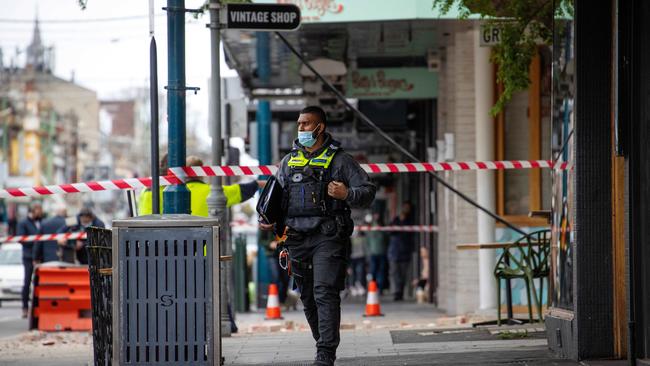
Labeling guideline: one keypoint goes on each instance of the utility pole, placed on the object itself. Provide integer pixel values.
(153, 104)
(216, 199)
(263, 118)
(176, 198)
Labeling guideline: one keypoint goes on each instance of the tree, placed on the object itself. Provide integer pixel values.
(524, 24)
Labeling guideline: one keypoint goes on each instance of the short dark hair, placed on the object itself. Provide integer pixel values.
(86, 211)
(33, 205)
(318, 111)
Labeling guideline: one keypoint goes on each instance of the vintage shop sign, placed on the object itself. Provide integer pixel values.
(262, 17)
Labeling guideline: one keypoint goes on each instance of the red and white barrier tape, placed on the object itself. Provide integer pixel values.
(42, 237)
(73, 236)
(211, 171)
(409, 228)
(178, 175)
(106, 185)
(365, 228)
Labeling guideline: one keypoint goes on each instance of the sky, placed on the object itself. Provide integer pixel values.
(111, 56)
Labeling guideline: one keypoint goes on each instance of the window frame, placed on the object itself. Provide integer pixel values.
(534, 150)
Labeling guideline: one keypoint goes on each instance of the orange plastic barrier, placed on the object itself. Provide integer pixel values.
(62, 299)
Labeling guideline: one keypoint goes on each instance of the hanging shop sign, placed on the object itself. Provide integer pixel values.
(262, 17)
(392, 83)
(489, 35)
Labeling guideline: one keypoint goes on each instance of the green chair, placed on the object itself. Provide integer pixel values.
(525, 259)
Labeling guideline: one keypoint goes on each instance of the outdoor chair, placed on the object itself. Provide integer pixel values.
(525, 259)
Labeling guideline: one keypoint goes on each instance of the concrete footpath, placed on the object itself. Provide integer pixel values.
(377, 347)
(408, 334)
(397, 315)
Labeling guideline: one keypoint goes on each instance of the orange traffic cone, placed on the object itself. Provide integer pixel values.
(372, 303)
(273, 303)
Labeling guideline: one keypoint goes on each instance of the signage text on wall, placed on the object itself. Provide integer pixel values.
(489, 35)
(392, 83)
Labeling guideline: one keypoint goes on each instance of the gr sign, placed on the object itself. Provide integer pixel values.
(489, 35)
(262, 17)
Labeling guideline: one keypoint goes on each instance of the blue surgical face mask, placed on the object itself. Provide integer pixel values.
(306, 138)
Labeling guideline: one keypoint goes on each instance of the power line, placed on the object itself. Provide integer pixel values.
(70, 21)
(69, 38)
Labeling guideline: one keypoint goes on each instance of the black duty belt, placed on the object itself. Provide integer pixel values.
(301, 265)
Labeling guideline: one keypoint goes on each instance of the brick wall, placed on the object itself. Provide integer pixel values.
(458, 288)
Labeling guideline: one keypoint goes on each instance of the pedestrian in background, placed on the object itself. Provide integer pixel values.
(358, 264)
(377, 249)
(48, 251)
(400, 251)
(29, 226)
(77, 247)
(421, 283)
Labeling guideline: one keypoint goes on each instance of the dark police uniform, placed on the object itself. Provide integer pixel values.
(318, 231)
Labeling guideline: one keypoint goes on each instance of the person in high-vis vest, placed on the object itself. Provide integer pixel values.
(199, 192)
(145, 200)
(321, 183)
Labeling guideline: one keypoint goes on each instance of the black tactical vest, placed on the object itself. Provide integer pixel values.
(305, 188)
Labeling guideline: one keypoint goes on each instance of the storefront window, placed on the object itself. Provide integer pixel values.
(523, 132)
(563, 147)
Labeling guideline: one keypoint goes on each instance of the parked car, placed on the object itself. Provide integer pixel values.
(11, 271)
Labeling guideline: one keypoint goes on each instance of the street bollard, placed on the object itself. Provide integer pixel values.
(241, 275)
(166, 291)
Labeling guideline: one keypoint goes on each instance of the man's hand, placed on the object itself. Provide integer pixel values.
(79, 245)
(273, 245)
(62, 242)
(337, 190)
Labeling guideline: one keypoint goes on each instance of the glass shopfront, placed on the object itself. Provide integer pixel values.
(563, 148)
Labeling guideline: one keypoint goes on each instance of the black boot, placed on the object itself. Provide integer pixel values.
(324, 359)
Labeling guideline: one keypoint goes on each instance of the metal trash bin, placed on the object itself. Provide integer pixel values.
(166, 291)
(100, 267)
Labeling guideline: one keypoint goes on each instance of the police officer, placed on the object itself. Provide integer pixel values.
(320, 183)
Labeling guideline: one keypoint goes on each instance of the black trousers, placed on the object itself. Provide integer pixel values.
(320, 287)
(28, 265)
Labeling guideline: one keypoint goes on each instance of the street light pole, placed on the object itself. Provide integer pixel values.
(216, 199)
(176, 198)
